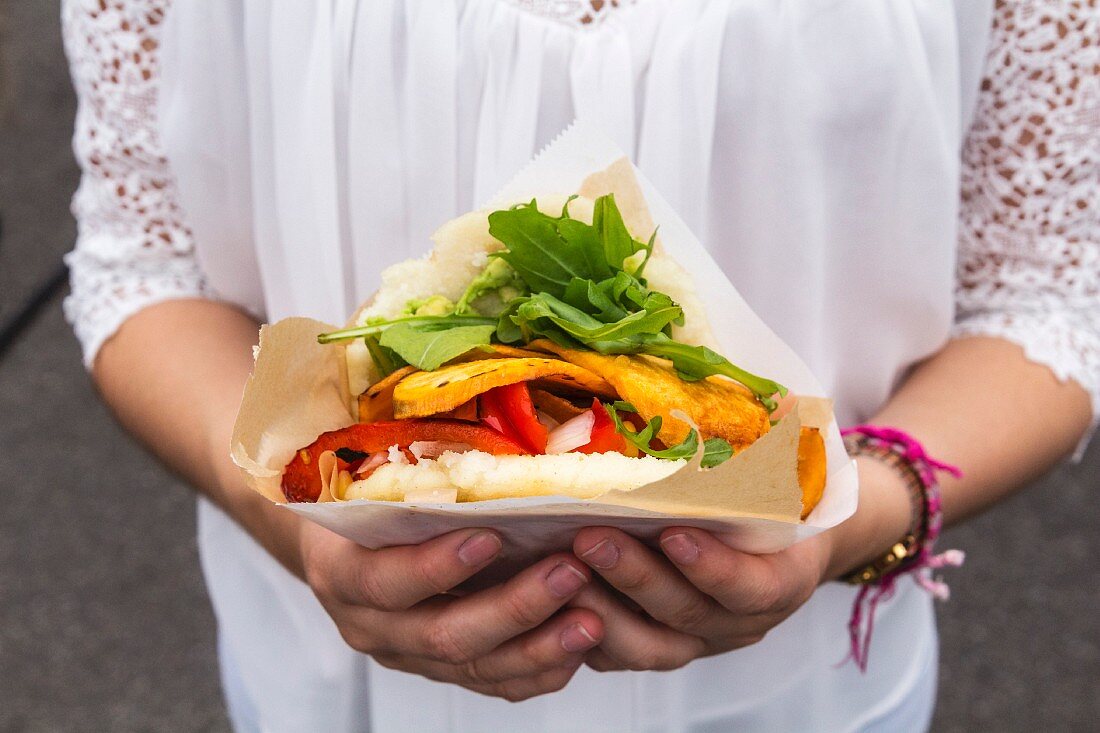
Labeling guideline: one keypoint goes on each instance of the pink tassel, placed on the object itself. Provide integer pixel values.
(862, 622)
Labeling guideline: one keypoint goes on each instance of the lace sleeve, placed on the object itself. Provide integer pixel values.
(1029, 255)
(133, 247)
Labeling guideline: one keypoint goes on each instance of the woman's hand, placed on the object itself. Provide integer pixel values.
(509, 641)
(697, 599)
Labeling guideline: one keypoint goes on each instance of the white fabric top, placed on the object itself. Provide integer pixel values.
(814, 148)
(1029, 259)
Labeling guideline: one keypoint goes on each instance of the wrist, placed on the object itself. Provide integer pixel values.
(884, 515)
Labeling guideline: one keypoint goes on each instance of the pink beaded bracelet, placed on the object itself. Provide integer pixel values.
(913, 554)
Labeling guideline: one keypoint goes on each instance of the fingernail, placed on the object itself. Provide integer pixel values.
(576, 638)
(603, 555)
(681, 548)
(480, 548)
(565, 580)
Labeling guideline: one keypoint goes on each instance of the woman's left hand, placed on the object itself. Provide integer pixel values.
(698, 597)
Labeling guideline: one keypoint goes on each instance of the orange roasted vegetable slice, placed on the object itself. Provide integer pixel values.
(429, 393)
(720, 407)
(377, 402)
(811, 468)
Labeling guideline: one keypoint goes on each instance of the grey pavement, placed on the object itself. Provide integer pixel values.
(104, 621)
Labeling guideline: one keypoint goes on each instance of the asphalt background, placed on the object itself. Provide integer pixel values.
(104, 621)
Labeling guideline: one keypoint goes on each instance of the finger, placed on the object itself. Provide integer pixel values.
(631, 641)
(600, 661)
(743, 583)
(524, 688)
(396, 578)
(558, 643)
(517, 689)
(650, 580)
(470, 627)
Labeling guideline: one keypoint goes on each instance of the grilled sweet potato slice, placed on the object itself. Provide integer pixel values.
(720, 407)
(377, 402)
(429, 393)
(811, 468)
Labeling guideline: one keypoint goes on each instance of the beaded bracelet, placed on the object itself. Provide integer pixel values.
(913, 553)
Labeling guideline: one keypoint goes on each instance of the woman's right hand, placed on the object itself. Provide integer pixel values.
(511, 641)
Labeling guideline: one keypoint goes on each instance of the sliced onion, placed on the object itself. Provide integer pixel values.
(396, 455)
(436, 448)
(546, 421)
(573, 433)
(376, 459)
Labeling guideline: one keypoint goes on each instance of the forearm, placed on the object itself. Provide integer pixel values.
(981, 405)
(173, 375)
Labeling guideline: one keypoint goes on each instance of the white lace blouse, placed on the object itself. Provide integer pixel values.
(1029, 227)
(305, 109)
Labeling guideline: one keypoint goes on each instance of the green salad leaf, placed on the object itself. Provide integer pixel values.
(561, 279)
(428, 346)
(541, 313)
(594, 298)
(698, 362)
(715, 450)
(386, 360)
(378, 326)
(608, 223)
(644, 437)
(585, 240)
(538, 250)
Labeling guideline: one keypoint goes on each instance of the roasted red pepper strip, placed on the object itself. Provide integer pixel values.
(512, 407)
(605, 438)
(302, 481)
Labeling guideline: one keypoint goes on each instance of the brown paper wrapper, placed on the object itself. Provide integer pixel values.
(299, 389)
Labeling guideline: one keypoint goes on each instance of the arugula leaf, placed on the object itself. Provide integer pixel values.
(565, 206)
(376, 326)
(563, 315)
(715, 450)
(617, 242)
(581, 296)
(508, 331)
(642, 439)
(586, 240)
(592, 298)
(536, 250)
(586, 328)
(385, 359)
(698, 362)
(629, 292)
(655, 301)
(648, 247)
(427, 346)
